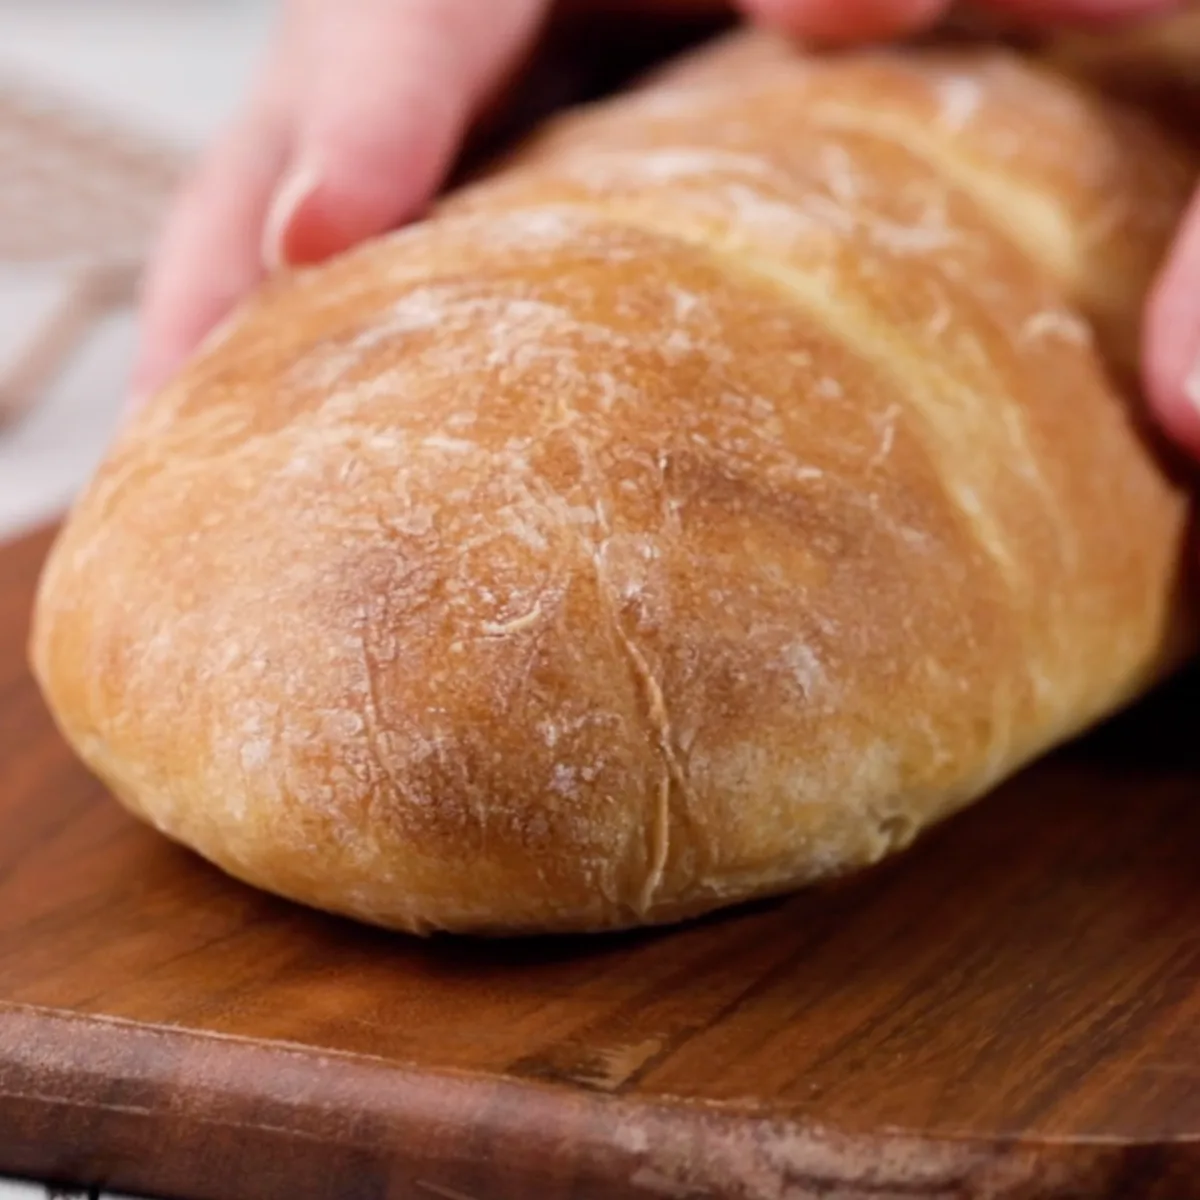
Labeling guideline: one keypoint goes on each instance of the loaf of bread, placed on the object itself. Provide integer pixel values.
(746, 475)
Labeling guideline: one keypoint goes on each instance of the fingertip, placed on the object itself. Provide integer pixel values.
(345, 190)
(390, 93)
(1171, 339)
(135, 401)
(845, 20)
(165, 338)
(159, 360)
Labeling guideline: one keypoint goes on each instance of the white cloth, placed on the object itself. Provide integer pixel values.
(24, 1191)
(12, 1190)
(173, 68)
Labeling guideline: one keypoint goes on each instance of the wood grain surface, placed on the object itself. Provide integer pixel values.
(1012, 1010)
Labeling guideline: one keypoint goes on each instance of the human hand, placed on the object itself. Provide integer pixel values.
(361, 108)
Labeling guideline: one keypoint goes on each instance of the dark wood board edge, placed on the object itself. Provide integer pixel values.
(178, 1112)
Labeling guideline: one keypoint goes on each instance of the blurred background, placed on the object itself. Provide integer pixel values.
(102, 104)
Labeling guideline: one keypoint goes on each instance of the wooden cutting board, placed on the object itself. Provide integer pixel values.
(1011, 1010)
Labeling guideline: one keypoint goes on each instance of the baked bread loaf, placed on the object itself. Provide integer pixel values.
(743, 477)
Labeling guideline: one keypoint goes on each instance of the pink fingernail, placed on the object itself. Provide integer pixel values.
(1191, 385)
(296, 187)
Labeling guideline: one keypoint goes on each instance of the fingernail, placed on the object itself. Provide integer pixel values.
(296, 187)
(1191, 385)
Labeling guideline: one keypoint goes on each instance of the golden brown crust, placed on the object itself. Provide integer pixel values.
(723, 492)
